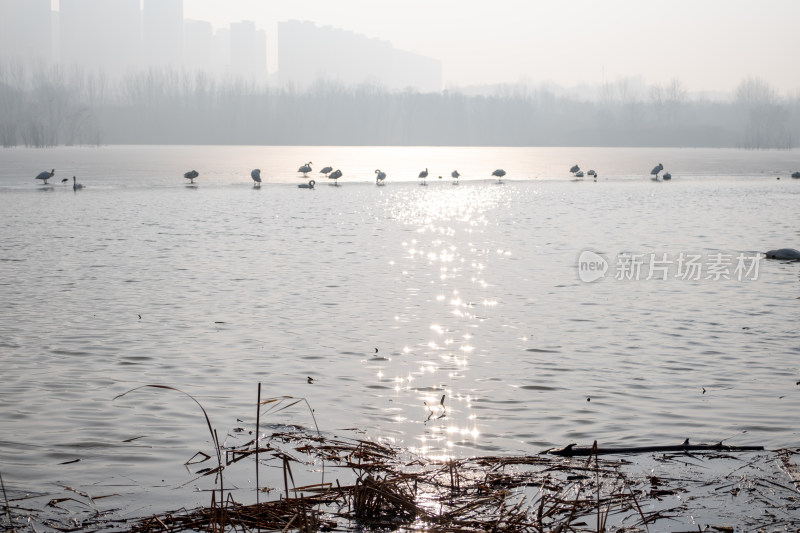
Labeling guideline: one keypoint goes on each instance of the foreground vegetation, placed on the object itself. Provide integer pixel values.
(379, 487)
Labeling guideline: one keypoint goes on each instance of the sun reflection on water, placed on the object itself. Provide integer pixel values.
(426, 208)
(443, 275)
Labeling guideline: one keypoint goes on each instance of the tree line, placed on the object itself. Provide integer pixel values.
(55, 105)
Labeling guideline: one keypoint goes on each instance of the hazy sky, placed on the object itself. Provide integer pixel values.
(710, 45)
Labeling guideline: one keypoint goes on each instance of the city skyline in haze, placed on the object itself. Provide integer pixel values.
(710, 46)
(121, 37)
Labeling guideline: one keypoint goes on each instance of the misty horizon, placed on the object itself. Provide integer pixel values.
(54, 106)
(244, 39)
(142, 72)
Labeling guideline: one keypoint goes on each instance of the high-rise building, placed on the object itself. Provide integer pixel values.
(198, 44)
(101, 34)
(220, 58)
(162, 32)
(26, 31)
(248, 51)
(307, 53)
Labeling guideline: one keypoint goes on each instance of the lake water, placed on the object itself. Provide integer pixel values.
(389, 298)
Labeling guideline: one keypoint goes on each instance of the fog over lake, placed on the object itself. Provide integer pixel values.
(88, 72)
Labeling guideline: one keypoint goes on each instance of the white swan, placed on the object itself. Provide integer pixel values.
(191, 175)
(379, 177)
(335, 175)
(499, 173)
(309, 185)
(44, 176)
(75, 184)
(423, 175)
(256, 175)
(305, 169)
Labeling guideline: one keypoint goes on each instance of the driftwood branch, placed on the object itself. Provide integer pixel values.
(573, 450)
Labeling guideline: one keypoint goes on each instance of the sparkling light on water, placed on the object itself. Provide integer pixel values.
(469, 292)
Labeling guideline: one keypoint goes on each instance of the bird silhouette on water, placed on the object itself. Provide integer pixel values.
(44, 176)
(305, 169)
(191, 175)
(432, 410)
(656, 169)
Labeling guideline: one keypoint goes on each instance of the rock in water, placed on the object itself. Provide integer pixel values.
(786, 254)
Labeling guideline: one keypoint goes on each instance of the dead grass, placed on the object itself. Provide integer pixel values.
(379, 487)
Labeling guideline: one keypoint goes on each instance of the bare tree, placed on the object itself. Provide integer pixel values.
(675, 96)
(766, 117)
(753, 92)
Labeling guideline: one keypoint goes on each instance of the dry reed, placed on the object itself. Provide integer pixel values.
(392, 489)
